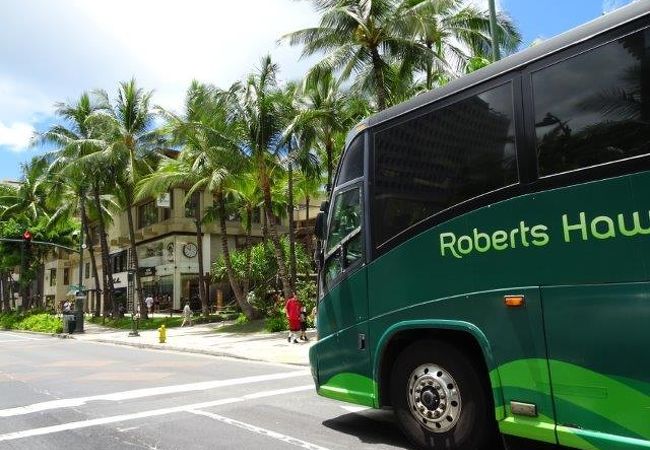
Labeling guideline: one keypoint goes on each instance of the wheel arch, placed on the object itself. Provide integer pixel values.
(466, 336)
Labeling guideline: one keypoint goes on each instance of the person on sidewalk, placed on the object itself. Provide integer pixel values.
(292, 309)
(303, 324)
(149, 302)
(187, 314)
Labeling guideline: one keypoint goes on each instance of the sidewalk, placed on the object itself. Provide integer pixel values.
(270, 347)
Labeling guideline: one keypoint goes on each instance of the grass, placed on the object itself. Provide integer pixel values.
(125, 323)
(31, 321)
(253, 326)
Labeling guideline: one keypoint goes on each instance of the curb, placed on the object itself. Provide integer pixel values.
(187, 350)
(41, 333)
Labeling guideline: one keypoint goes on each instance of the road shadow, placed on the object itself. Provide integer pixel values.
(370, 427)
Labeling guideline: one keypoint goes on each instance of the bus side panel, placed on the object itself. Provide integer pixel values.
(593, 333)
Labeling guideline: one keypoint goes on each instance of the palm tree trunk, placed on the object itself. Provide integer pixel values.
(136, 265)
(6, 282)
(249, 251)
(429, 69)
(292, 231)
(107, 271)
(199, 254)
(330, 164)
(93, 263)
(273, 234)
(247, 308)
(380, 85)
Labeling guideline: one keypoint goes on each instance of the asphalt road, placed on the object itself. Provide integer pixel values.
(68, 394)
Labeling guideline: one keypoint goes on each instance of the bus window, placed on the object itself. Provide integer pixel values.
(345, 237)
(346, 217)
(594, 108)
(437, 160)
(352, 163)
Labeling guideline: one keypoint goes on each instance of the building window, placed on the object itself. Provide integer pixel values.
(166, 213)
(594, 108)
(147, 214)
(432, 162)
(119, 262)
(87, 270)
(52, 277)
(192, 205)
(66, 276)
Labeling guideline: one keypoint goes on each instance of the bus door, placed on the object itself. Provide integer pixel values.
(345, 301)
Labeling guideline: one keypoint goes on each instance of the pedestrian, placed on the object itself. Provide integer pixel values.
(303, 324)
(292, 310)
(66, 307)
(149, 302)
(187, 314)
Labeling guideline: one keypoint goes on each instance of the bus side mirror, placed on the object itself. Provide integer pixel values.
(319, 229)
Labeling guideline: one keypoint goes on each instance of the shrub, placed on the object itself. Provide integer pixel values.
(276, 323)
(31, 321)
(241, 319)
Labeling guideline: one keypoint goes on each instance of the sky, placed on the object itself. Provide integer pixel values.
(52, 51)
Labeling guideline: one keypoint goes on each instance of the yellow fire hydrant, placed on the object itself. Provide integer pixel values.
(162, 334)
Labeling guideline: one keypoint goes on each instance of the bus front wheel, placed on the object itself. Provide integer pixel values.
(439, 400)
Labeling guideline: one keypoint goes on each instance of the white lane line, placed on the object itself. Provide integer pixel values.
(144, 414)
(20, 336)
(263, 431)
(147, 392)
(16, 340)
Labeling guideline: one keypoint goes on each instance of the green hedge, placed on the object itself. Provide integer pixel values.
(31, 321)
(125, 323)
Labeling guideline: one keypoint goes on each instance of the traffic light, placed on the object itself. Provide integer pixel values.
(27, 236)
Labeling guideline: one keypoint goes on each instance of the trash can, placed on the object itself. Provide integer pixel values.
(69, 323)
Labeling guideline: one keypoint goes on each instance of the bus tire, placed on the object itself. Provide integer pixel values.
(439, 400)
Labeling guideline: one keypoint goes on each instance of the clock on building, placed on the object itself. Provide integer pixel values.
(190, 250)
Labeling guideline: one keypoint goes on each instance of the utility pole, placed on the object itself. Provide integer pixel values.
(493, 31)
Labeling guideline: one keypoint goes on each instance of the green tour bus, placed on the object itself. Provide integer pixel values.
(485, 252)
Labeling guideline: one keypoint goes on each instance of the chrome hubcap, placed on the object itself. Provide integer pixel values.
(434, 398)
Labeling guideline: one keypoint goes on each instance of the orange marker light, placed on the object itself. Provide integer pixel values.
(513, 301)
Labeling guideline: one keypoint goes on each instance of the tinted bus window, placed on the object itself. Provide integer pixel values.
(437, 160)
(352, 163)
(595, 107)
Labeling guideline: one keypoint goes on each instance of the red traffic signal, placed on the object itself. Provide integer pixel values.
(27, 235)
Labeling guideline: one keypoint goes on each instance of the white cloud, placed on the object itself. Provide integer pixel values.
(16, 137)
(164, 44)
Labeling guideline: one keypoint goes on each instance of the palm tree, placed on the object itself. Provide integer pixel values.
(257, 106)
(129, 147)
(324, 111)
(245, 195)
(362, 38)
(209, 157)
(77, 145)
(457, 35)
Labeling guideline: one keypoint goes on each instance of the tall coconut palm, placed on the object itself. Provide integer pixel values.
(77, 143)
(257, 106)
(210, 155)
(457, 35)
(362, 37)
(323, 111)
(245, 196)
(129, 147)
